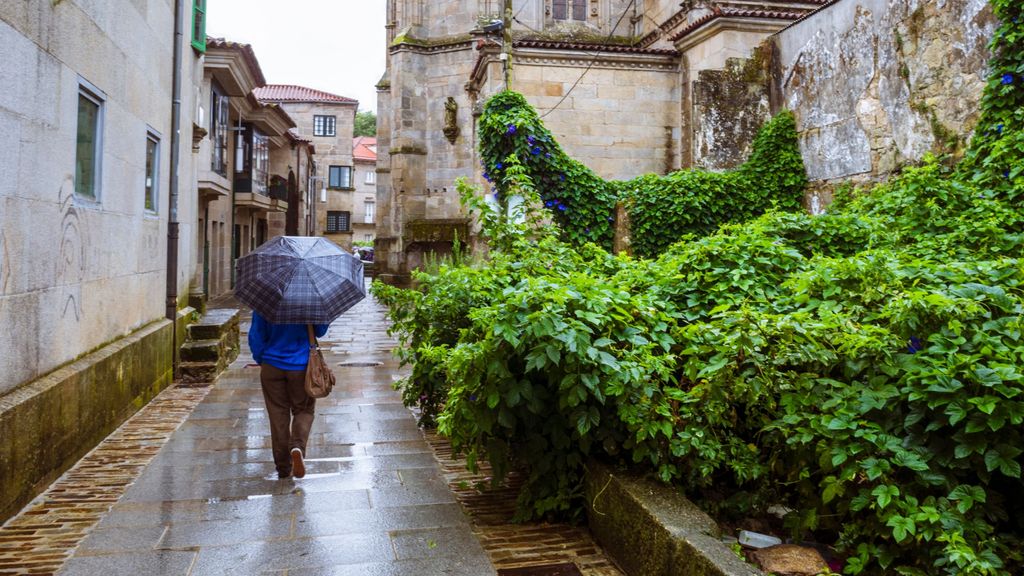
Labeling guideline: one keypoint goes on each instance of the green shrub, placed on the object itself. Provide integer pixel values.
(862, 367)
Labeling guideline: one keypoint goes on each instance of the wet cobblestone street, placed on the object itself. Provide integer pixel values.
(188, 487)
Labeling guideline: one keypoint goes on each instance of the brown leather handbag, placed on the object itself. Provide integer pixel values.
(319, 378)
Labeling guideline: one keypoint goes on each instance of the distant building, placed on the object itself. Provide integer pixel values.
(327, 121)
(364, 153)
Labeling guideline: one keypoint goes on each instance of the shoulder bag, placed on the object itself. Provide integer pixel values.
(319, 378)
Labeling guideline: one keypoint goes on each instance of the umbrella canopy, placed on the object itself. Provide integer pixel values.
(300, 280)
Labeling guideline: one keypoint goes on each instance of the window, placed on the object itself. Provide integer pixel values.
(367, 237)
(323, 126)
(371, 177)
(370, 209)
(152, 170)
(199, 25)
(260, 162)
(339, 177)
(338, 221)
(89, 142)
(560, 10)
(219, 132)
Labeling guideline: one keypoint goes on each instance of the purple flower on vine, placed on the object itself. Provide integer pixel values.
(561, 207)
(511, 129)
(561, 177)
(1007, 78)
(487, 177)
(549, 203)
(999, 128)
(499, 166)
(914, 345)
(530, 140)
(535, 151)
(547, 154)
(472, 397)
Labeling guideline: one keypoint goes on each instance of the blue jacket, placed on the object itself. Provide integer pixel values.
(284, 346)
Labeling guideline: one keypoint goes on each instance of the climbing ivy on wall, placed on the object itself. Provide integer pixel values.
(994, 159)
(662, 209)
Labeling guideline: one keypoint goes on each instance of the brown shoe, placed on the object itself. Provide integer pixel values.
(298, 467)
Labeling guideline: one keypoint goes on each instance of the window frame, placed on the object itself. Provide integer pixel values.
(199, 32)
(569, 10)
(371, 177)
(220, 127)
(152, 173)
(260, 163)
(341, 185)
(369, 211)
(87, 91)
(338, 217)
(321, 131)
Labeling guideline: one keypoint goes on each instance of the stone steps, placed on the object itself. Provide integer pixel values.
(213, 343)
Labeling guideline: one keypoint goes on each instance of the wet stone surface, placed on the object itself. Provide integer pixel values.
(205, 499)
(188, 487)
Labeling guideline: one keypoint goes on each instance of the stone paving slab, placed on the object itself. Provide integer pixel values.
(188, 487)
(372, 501)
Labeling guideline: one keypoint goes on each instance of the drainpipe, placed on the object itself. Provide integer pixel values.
(172, 196)
(506, 55)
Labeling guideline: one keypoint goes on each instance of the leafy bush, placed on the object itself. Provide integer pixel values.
(862, 367)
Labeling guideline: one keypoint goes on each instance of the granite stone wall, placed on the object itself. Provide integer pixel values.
(877, 84)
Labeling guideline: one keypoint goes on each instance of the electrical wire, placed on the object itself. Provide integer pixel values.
(592, 61)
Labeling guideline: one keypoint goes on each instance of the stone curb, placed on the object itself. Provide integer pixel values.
(652, 530)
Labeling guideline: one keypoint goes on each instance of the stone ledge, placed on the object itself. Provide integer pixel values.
(52, 422)
(652, 530)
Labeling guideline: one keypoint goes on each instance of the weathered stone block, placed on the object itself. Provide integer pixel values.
(653, 530)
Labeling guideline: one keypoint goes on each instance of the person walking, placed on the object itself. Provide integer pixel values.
(282, 352)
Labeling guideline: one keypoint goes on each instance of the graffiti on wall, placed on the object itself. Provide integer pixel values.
(71, 259)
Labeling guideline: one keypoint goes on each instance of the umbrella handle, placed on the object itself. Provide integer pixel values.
(312, 338)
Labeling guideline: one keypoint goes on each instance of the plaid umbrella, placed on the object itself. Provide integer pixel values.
(300, 280)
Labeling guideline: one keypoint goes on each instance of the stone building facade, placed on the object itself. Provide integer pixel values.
(89, 299)
(364, 155)
(640, 87)
(248, 163)
(327, 121)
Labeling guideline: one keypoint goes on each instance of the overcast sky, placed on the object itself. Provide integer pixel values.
(331, 45)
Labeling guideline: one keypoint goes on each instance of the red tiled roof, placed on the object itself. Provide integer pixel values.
(247, 53)
(726, 12)
(294, 135)
(292, 93)
(621, 48)
(364, 148)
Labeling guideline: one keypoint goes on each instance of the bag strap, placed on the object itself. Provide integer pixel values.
(312, 339)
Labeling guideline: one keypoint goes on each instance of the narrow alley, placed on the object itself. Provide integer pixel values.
(373, 501)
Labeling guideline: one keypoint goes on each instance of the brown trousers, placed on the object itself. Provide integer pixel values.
(290, 411)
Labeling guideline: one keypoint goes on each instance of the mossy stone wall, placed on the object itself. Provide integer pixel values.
(49, 424)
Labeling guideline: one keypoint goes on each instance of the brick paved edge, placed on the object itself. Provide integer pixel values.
(41, 538)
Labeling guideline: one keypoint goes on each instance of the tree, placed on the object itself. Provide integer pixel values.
(366, 124)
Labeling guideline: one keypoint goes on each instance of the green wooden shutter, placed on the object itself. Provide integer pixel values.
(199, 25)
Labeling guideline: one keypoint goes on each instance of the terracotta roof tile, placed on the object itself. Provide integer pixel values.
(292, 93)
(364, 148)
(726, 12)
(247, 53)
(621, 48)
